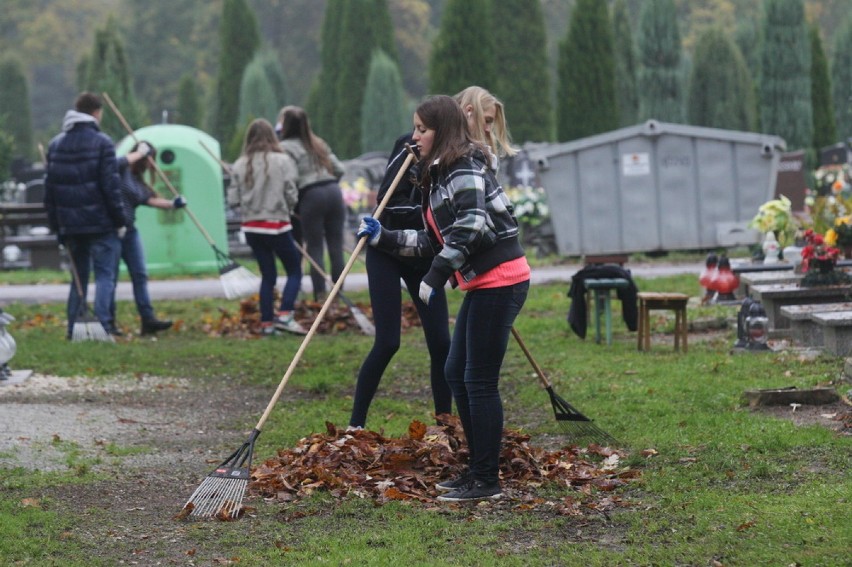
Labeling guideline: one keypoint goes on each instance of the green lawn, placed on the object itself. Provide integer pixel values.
(723, 484)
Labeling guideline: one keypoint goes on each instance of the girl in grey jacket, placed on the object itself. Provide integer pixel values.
(263, 186)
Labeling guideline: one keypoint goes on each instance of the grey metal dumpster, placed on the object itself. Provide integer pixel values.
(656, 186)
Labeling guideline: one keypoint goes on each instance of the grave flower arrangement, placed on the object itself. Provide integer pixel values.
(776, 216)
(819, 262)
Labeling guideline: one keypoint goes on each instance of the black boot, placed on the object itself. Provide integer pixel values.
(151, 326)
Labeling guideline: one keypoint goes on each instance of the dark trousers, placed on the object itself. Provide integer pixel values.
(266, 248)
(322, 216)
(479, 343)
(383, 276)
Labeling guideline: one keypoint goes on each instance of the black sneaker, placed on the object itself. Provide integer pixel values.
(115, 332)
(151, 326)
(473, 490)
(454, 483)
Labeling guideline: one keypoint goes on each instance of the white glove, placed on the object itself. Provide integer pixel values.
(144, 149)
(427, 292)
(122, 231)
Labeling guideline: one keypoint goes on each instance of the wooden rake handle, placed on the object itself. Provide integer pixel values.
(541, 375)
(331, 295)
(159, 171)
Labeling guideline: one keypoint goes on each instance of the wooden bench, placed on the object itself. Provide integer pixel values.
(600, 289)
(804, 330)
(650, 301)
(15, 219)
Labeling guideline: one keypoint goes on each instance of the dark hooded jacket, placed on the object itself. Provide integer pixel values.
(577, 316)
(82, 188)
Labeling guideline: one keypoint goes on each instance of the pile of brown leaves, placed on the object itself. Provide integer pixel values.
(245, 323)
(367, 464)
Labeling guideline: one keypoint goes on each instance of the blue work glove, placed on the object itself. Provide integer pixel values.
(427, 292)
(371, 228)
(179, 202)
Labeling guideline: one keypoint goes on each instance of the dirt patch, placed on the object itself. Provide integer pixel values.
(836, 417)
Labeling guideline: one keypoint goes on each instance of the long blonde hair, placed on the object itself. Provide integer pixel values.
(475, 100)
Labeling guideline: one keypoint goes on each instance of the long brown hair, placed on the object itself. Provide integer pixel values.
(140, 166)
(260, 138)
(295, 124)
(452, 140)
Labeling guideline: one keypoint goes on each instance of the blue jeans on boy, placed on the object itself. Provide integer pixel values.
(266, 247)
(480, 338)
(99, 252)
(134, 258)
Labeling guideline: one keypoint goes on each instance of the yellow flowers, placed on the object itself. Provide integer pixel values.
(776, 216)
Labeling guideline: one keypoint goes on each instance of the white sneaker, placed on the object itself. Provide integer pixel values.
(288, 323)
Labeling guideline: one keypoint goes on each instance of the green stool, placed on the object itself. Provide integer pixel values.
(600, 289)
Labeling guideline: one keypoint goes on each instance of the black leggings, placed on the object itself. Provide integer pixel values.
(383, 275)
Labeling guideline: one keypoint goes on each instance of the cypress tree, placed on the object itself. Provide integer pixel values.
(15, 106)
(785, 75)
(586, 74)
(720, 93)
(366, 26)
(239, 39)
(659, 77)
(463, 51)
(825, 131)
(523, 79)
(261, 90)
(322, 98)
(7, 149)
(841, 72)
(626, 97)
(189, 111)
(107, 71)
(384, 116)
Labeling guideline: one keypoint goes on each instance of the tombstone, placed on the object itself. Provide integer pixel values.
(790, 180)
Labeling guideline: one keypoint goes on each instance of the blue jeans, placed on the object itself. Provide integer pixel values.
(480, 338)
(266, 247)
(134, 258)
(99, 251)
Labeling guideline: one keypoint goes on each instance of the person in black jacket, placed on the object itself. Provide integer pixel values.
(384, 272)
(136, 191)
(84, 205)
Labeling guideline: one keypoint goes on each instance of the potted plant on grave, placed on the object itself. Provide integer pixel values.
(819, 262)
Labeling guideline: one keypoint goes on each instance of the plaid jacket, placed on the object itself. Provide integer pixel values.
(474, 216)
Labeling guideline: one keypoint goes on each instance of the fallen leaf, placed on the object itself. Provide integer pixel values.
(30, 503)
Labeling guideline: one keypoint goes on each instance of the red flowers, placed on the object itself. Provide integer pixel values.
(816, 251)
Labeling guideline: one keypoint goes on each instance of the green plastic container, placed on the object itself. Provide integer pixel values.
(173, 242)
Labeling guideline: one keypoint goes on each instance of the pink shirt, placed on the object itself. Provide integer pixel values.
(503, 275)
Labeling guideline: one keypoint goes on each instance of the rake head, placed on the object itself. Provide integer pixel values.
(580, 428)
(221, 493)
(87, 328)
(237, 281)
